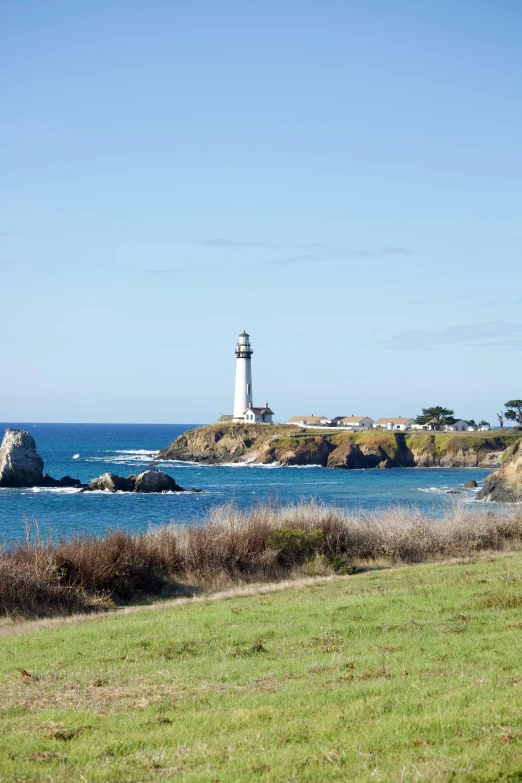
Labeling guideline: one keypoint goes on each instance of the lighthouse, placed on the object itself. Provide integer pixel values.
(243, 393)
(244, 410)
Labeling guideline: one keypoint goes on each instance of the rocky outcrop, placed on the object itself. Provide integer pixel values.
(309, 451)
(223, 443)
(155, 481)
(20, 464)
(148, 481)
(66, 481)
(505, 485)
(353, 456)
(456, 452)
(113, 483)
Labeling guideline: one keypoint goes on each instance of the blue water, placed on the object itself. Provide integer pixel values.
(88, 450)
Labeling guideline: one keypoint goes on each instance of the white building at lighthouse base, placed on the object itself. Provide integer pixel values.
(258, 415)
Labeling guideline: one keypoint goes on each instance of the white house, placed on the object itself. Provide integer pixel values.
(258, 415)
(484, 428)
(303, 421)
(460, 426)
(398, 423)
(355, 422)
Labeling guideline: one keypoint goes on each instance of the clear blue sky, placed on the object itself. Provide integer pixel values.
(342, 179)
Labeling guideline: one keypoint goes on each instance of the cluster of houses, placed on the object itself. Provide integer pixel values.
(360, 423)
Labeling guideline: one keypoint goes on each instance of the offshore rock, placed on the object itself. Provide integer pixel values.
(148, 481)
(156, 481)
(20, 464)
(111, 482)
(470, 484)
(66, 481)
(505, 485)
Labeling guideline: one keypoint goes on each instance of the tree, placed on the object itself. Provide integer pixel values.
(436, 416)
(514, 411)
(500, 417)
(483, 423)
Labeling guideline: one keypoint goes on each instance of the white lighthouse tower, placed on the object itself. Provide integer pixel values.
(243, 393)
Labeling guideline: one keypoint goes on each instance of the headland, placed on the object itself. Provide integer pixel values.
(218, 444)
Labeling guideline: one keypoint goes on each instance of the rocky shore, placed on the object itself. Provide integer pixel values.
(218, 444)
(22, 466)
(505, 485)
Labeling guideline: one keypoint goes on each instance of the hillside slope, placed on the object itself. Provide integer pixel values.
(222, 443)
(410, 674)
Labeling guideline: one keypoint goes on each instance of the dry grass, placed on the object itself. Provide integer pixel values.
(40, 577)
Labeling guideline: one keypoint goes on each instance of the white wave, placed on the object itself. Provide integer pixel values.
(248, 465)
(76, 456)
(434, 490)
(140, 459)
(137, 494)
(146, 452)
(300, 467)
(180, 463)
(61, 490)
(107, 492)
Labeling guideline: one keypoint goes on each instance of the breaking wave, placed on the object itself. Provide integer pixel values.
(54, 490)
(146, 452)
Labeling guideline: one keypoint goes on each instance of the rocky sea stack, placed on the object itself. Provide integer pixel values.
(20, 464)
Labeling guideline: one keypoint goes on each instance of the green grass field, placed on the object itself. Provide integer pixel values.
(400, 675)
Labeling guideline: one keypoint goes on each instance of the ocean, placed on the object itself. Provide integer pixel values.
(88, 450)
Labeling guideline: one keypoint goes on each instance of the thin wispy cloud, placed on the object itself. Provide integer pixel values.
(487, 334)
(164, 271)
(513, 344)
(396, 251)
(303, 258)
(12, 264)
(234, 244)
(316, 249)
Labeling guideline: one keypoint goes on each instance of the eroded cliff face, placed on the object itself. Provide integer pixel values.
(217, 444)
(505, 485)
(262, 444)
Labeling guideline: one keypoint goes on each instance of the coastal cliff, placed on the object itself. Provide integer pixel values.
(217, 444)
(505, 485)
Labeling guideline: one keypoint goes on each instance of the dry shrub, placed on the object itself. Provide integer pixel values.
(42, 577)
(119, 564)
